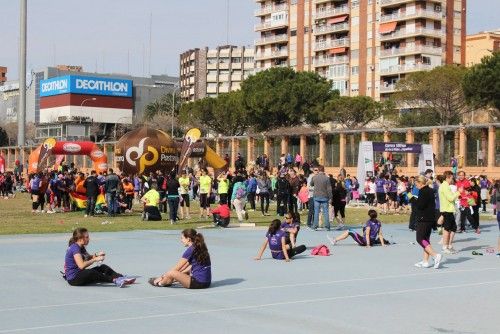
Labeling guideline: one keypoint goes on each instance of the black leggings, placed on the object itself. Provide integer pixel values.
(466, 214)
(100, 274)
(251, 200)
(264, 197)
(296, 250)
(424, 230)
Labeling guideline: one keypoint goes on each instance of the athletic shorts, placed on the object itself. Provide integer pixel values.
(381, 198)
(449, 223)
(393, 196)
(185, 200)
(198, 285)
(204, 201)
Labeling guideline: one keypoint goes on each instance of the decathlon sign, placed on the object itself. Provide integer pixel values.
(77, 84)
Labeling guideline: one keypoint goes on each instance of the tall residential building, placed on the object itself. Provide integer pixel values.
(480, 45)
(3, 74)
(363, 46)
(209, 72)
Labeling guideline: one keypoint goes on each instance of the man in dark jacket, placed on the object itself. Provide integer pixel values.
(282, 194)
(92, 190)
(111, 186)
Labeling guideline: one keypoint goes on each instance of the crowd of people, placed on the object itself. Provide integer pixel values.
(450, 203)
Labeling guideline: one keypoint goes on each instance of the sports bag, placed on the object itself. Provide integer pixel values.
(321, 250)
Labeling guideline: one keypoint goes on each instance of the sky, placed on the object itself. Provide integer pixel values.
(113, 36)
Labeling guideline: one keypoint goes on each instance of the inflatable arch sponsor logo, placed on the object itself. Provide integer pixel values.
(103, 166)
(145, 159)
(97, 154)
(72, 147)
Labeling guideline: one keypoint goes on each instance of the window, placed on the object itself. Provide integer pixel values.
(336, 71)
(355, 70)
(340, 85)
(355, 21)
(236, 60)
(293, 32)
(248, 59)
(211, 60)
(354, 54)
(354, 87)
(457, 14)
(426, 60)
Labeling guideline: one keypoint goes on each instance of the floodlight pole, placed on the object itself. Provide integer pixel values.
(21, 112)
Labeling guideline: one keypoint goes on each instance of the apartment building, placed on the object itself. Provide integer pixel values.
(363, 46)
(480, 45)
(3, 74)
(210, 72)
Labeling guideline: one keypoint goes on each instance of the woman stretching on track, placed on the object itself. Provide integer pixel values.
(372, 233)
(276, 238)
(193, 270)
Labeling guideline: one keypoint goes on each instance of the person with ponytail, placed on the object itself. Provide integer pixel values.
(78, 261)
(193, 270)
(276, 238)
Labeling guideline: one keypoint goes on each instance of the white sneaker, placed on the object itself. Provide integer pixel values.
(437, 260)
(422, 264)
(452, 250)
(332, 240)
(340, 227)
(446, 251)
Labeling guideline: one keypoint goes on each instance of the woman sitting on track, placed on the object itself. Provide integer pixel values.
(77, 261)
(276, 238)
(372, 233)
(193, 270)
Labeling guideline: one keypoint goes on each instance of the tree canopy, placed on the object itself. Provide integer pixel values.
(482, 83)
(437, 94)
(283, 97)
(354, 112)
(162, 106)
(225, 114)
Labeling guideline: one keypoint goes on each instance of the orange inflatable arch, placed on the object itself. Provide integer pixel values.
(38, 158)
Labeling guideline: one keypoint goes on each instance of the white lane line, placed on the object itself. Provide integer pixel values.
(248, 307)
(216, 291)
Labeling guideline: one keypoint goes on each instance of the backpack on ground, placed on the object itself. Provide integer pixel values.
(321, 250)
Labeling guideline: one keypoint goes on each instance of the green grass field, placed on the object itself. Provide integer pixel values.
(16, 218)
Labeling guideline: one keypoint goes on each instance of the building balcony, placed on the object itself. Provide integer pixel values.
(406, 68)
(323, 13)
(389, 88)
(404, 33)
(327, 61)
(415, 49)
(430, 14)
(327, 29)
(271, 54)
(270, 9)
(384, 3)
(272, 39)
(331, 43)
(271, 25)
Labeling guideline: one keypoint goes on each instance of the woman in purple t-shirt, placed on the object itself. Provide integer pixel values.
(276, 238)
(78, 261)
(372, 233)
(193, 270)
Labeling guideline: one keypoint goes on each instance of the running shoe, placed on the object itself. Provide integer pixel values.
(453, 250)
(332, 240)
(437, 261)
(119, 282)
(340, 227)
(422, 264)
(447, 251)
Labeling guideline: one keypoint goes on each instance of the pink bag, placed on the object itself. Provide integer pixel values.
(321, 250)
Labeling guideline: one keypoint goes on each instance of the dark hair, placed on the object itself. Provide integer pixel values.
(77, 235)
(372, 213)
(295, 217)
(441, 178)
(447, 173)
(200, 248)
(274, 227)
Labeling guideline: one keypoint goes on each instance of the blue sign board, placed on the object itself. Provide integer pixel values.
(77, 84)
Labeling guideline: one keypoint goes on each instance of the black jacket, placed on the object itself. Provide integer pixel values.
(425, 205)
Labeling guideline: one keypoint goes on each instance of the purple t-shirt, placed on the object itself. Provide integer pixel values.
(484, 184)
(380, 185)
(374, 226)
(201, 272)
(70, 267)
(275, 244)
(286, 227)
(393, 187)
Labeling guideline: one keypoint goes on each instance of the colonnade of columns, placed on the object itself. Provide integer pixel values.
(487, 143)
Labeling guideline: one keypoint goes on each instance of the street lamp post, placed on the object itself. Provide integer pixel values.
(81, 105)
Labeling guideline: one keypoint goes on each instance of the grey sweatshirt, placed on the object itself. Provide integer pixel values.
(322, 186)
